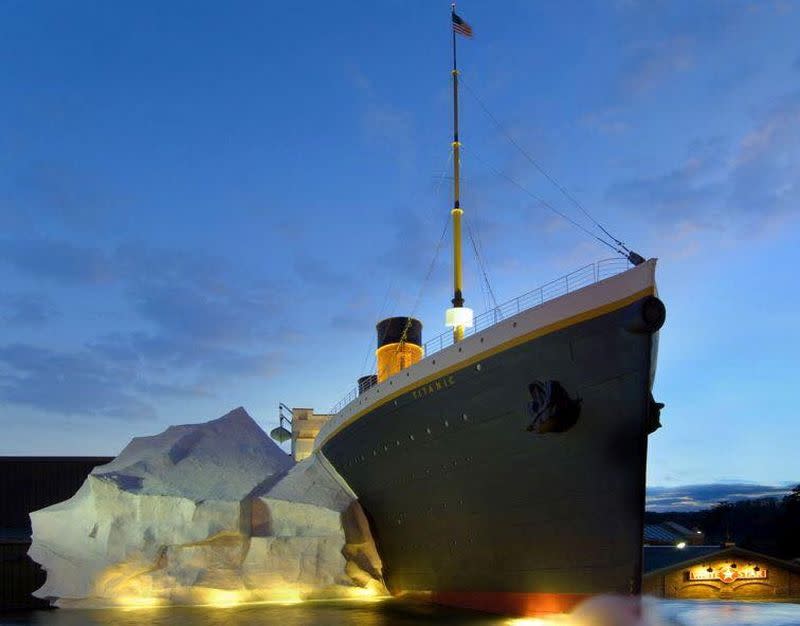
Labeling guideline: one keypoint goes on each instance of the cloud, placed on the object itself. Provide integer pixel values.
(60, 261)
(764, 179)
(382, 123)
(677, 192)
(318, 273)
(651, 64)
(204, 316)
(26, 309)
(75, 384)
(698, 497)
(607, 121)
(202, 324)
(744, 188)
(61, 192)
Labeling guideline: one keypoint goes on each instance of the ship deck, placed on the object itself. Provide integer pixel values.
(588, 292)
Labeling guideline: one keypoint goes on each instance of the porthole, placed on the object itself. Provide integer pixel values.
(459, 348)
(481, 339)
(433, 362)
(478, 367)
(514, 324)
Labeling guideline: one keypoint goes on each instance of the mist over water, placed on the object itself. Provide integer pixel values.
(599, 612)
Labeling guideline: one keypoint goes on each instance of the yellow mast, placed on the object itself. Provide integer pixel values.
(458, 299)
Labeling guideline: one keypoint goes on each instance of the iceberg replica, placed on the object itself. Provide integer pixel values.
(212, 513)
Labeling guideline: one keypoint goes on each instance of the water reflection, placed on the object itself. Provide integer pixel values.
(732, 613)
(394, 612)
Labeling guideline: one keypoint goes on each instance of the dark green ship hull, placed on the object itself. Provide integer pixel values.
(464, 499)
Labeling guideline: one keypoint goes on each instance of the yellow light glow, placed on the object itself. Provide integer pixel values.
(224, 598)
(680, 545)
(364, 594)
(394, 357)
(139, 602)
(562, 620)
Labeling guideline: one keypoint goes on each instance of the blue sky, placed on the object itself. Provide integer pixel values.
(210, 205)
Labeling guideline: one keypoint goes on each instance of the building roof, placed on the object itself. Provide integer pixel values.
(677, 528)
(662, 559)
(657, 533)
(670, 533)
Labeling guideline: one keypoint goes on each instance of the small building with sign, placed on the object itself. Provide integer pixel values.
(729, 573)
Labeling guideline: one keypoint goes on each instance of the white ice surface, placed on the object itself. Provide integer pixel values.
(202, 512)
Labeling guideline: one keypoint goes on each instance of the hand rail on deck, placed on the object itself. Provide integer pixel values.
(587, 275)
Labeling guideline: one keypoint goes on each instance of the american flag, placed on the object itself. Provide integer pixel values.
(461, 27)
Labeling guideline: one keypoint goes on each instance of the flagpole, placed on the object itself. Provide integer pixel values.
(456, 212)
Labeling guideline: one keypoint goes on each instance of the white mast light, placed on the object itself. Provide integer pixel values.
(459, 316)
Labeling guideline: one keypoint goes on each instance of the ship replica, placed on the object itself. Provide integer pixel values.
(502, 466)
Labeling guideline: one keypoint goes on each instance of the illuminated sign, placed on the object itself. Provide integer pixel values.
(728, 574)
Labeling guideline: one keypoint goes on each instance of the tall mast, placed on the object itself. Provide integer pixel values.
(457, 211)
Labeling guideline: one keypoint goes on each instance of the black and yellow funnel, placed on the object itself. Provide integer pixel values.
(399, 345)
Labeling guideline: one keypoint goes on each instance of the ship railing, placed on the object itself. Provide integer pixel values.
(586, 275)
(351, 395)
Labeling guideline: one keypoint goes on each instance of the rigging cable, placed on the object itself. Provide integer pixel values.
(549, 206)
(380, 316)
(436, 190)
(474, 238)
(544, 172)
(430, 267)
(481, 265)
(424, 283)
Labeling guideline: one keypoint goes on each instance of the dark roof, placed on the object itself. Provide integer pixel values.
(662, 559)
(681, 530)
(657, 533)
(668, 532)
